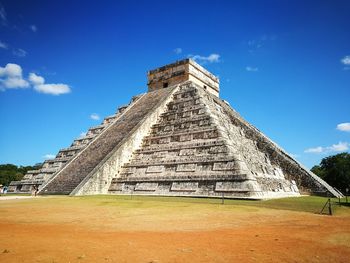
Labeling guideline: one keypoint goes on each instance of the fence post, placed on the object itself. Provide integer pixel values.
(329, 206)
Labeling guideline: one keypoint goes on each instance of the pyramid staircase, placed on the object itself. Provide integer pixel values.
(67, 179)
(36, 178)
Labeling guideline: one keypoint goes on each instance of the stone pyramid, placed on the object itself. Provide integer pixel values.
(181, 139)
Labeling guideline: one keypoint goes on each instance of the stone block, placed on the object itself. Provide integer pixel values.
(184, 186)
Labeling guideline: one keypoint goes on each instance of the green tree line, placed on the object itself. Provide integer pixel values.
(335, 170)
(11, 172)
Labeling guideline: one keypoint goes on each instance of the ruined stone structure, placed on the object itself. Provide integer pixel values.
(178, 139)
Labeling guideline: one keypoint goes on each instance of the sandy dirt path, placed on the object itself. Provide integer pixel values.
(57, 230)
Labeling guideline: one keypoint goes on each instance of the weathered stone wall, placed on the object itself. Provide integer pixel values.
(195, 151)
(306, 181)
(180, 72)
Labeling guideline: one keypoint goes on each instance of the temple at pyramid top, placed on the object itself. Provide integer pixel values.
(181, 71)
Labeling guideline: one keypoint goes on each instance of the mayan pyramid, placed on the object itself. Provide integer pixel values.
(178, 139)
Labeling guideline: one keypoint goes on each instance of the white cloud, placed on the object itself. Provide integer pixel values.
(36, 79)
(49, 156)
(39, 85)
(11, 77)
(11, 70)
(339, 147)
(53, 89)
(212, 58)
(14, 83)
(82, 135)
(19, 52)
(345, 60)
(178, 50)
(318, 149)
(3, 45)
(344, 126)
(33, 28)
(251, 69)
(94, 116)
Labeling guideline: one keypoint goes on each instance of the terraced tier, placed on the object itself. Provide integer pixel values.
(191, 150)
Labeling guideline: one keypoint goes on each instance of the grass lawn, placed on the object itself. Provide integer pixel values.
(311, 204)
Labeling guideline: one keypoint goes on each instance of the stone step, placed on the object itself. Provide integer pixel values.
(177, 161)
(185, 177)
(178, 146)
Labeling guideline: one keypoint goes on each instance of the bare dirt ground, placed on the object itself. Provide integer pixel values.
(64, 229)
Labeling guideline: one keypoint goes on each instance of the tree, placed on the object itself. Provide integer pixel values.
(11, 172)
(335, 170)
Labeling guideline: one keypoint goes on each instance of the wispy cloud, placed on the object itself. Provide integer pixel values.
(318, 149)
(3, 16)
(53, 89)
(94, 116)
(256, 44)
(178, 50)
(19, 52)
(339, 147)
(49, 156)
(344, 126)
(345, 60)
(33, 28)
(212, 58)
(251, 69)
(11, 78)
(3, 45)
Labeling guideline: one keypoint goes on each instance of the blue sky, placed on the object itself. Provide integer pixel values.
(64, 65)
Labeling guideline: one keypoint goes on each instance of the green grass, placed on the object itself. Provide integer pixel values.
(311, 204)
